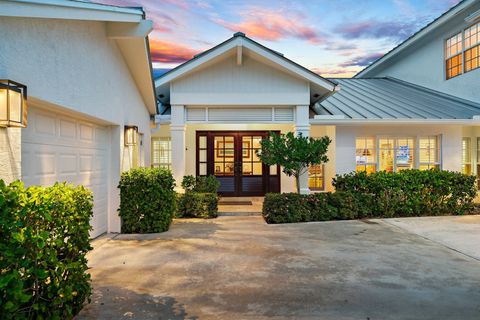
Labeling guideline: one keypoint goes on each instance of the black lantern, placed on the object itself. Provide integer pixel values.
(13, 104)
(131, 135)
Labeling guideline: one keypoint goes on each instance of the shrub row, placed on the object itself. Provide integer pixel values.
(378, 195)
(44, 240)
(412, 192)
(147, 200)
(294, 207)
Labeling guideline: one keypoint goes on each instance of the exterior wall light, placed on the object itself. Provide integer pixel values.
(131, 135)
(13, 104)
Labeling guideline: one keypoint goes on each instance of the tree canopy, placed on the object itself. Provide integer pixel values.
(293, 153)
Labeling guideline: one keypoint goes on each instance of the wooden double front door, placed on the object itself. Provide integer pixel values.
(231, 157)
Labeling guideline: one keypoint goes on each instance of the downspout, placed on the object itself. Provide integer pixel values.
(336, 88)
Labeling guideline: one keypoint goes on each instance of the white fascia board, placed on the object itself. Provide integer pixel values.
(68, 10)
(241, 41)
(414, 39)
(357, 122)
(122, 30)
(329, 117)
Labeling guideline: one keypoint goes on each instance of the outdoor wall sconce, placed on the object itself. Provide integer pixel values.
(131, 135)
(13, 104)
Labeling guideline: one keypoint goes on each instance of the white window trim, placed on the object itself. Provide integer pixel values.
(161, 164)
(462, 53)
(416, 162)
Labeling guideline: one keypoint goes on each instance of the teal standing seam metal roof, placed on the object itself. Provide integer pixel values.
(390, 98)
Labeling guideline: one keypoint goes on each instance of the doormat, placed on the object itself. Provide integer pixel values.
(235, 203)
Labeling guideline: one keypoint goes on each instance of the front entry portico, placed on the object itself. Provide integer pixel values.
(231, 95)
(231, 157)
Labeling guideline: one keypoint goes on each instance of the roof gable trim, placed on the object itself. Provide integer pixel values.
(445, 17)
(240, 40)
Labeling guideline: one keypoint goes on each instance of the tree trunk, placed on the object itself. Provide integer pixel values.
(297, 180)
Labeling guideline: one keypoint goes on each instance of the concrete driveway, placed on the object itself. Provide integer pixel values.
(242, 268)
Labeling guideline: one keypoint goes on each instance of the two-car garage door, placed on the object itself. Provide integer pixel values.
(65, 148)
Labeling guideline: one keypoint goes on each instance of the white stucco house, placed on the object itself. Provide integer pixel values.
(416, 107)
(88, 73)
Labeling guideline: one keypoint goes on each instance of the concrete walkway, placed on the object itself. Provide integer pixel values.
(242, 268)
(461, 233)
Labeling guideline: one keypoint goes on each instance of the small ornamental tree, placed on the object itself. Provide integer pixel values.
(295, 154)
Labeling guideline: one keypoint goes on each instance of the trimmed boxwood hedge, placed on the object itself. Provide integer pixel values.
(197, 205)
(44, 240)
(147, 200)
(407, 193)
(200, 199)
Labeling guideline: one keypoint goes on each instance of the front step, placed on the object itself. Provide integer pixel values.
(239, 214)
(240, 206)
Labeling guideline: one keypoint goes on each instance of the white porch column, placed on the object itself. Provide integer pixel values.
(302, 126)
(177, 132)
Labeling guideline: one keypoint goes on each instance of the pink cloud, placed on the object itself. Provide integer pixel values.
(336, 72)
(269, 25)
(167, 52)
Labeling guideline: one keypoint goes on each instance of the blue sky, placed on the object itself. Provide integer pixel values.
(336, 38)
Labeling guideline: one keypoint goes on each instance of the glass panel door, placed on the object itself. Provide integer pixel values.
(224, 159)
(252, 179)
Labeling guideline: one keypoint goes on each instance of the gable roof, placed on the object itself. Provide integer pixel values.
(239, 39)
(126, 26)
(445, 17)
(393, 99)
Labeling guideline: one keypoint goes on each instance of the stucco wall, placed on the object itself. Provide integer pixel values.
(10, 154)
(73, 66)
(451, 137)
(317, 131)
(424, 63)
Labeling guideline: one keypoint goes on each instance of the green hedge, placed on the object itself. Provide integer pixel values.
(201, 184)
(197, 205)
(412, 192)
(44, 240)
(147, 200)
(294, 207)
(407, 193)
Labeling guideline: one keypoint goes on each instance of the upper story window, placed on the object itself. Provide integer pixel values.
(462, 52)
(472, 47)
(454, 56)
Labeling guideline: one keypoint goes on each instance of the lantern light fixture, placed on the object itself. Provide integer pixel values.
(13, 104)
(131, 135)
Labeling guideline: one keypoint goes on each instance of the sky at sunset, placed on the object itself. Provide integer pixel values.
(335, 38)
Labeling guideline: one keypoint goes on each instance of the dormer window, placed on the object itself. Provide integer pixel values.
(462, 52)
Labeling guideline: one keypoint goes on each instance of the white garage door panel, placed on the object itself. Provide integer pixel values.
(60, 148)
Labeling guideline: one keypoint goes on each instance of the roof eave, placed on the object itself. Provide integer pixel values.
(69, 10)
(334, 120)
(444, 18)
